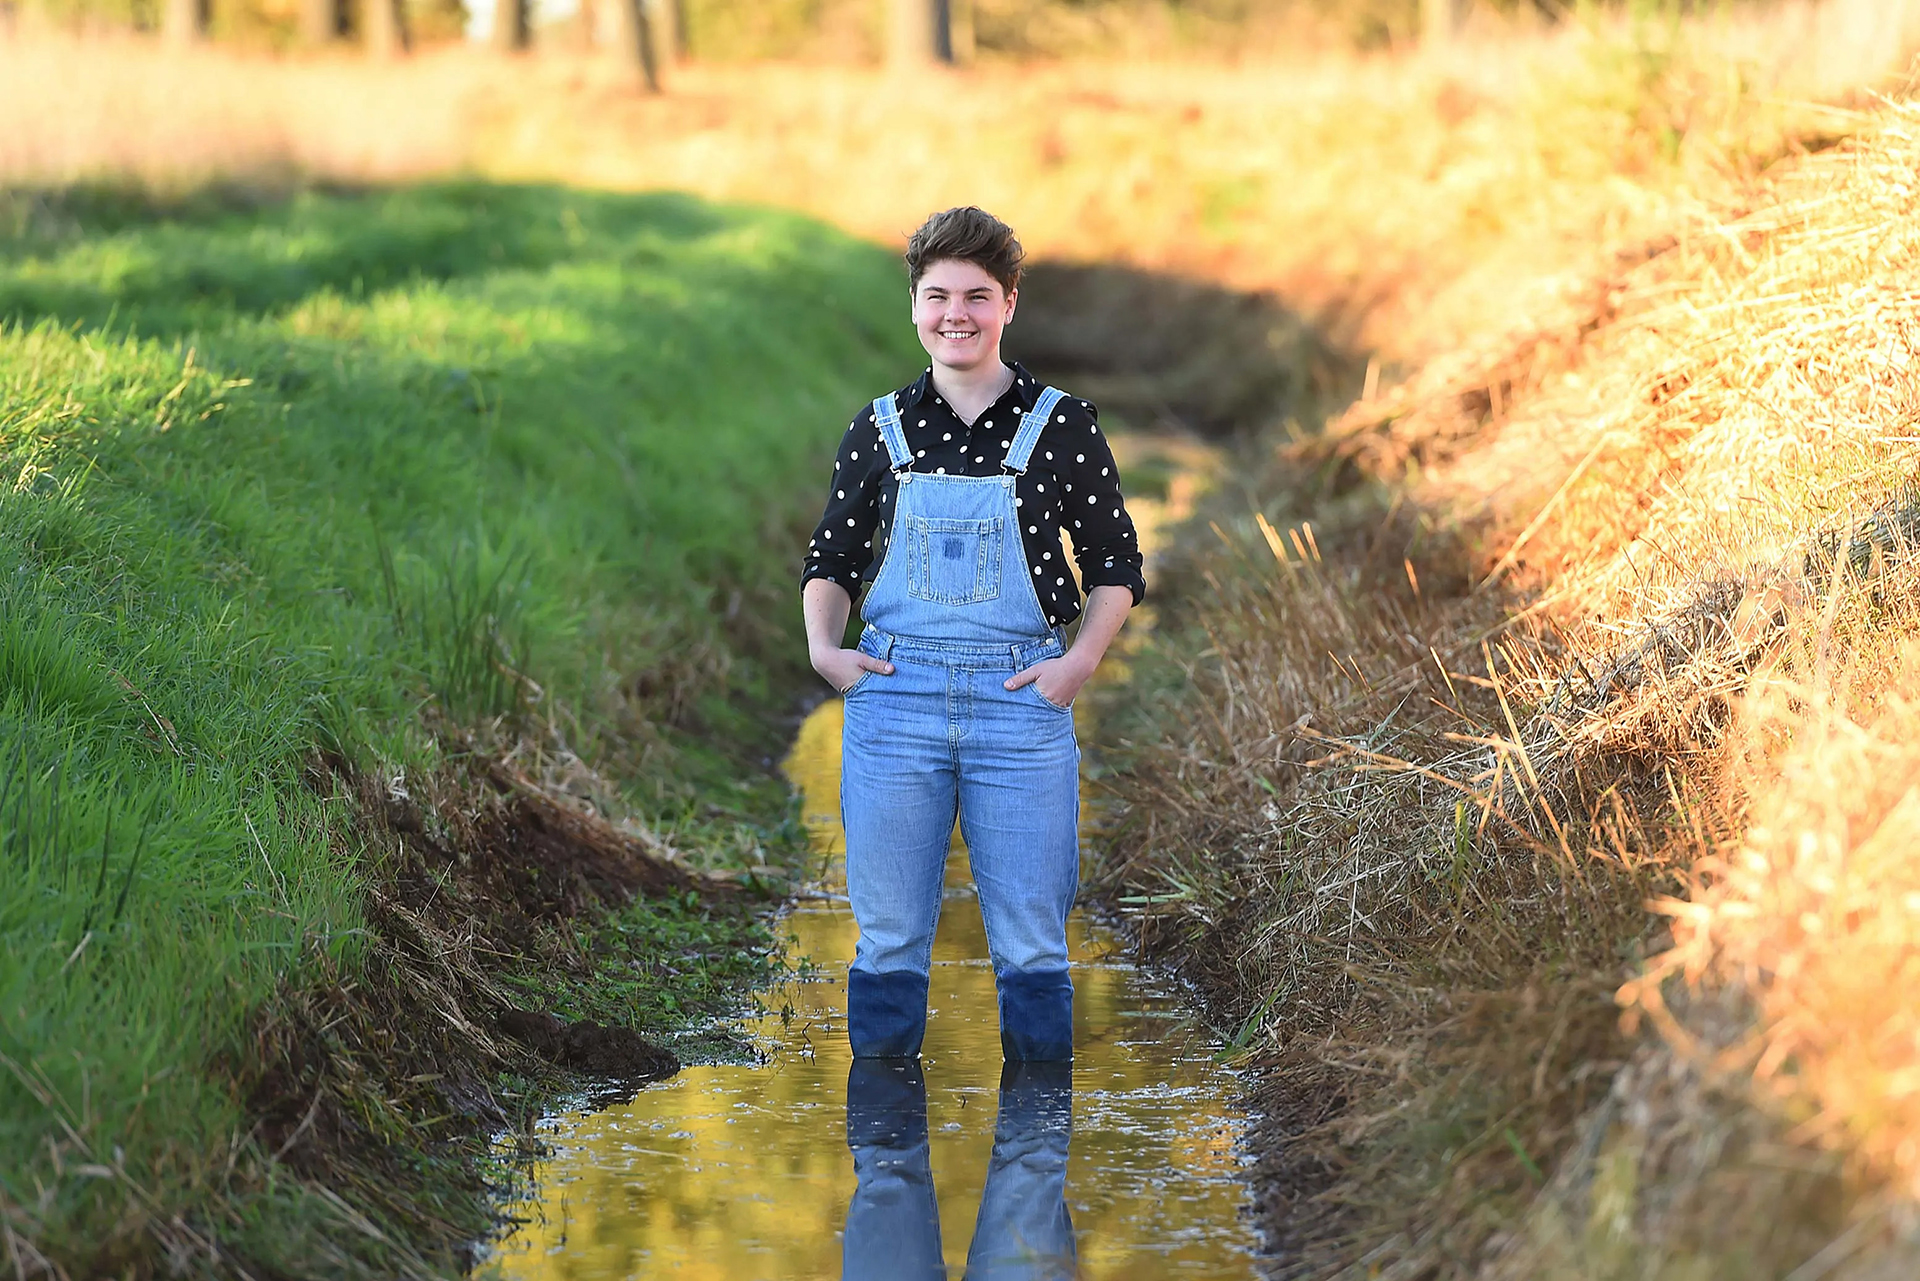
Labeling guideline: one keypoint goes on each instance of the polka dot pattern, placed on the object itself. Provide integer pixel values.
(1106, 549)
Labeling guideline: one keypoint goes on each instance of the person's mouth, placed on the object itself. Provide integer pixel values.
(958, 335)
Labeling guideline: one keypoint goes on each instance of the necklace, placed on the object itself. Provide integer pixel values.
(1006, 381)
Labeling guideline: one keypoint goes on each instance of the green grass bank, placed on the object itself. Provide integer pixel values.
(342, 536)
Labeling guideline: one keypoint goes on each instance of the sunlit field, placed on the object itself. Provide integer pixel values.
(1408, 201)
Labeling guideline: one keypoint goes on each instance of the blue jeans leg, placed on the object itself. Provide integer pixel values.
(893, 1224)
(898, 795)
(1020, 813)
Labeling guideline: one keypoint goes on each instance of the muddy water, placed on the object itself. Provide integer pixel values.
(743, 1173)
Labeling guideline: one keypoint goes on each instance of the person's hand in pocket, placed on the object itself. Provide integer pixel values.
(843, 668)
(1057, 679)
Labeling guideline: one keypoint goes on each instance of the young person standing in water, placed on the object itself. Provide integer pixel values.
(959, 695)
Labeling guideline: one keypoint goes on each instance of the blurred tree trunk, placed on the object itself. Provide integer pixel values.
(669, 29)
(919, 32)
(1440, 20)
(634, 42)
(320, 22)
(513, 23)
(386, 27)
(960, 31)
(184, 22)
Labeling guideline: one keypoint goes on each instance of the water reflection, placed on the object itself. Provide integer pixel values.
(741, 1172)
(893, 1225)
(1023, 1233)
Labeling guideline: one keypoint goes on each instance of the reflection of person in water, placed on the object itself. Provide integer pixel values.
(959, 695)
(1023, 1232)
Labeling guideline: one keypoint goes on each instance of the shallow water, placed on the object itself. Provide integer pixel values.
(743, 1173)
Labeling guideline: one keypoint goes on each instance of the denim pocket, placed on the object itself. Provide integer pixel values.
(871, 649)
(953, 562)
(1043, 700)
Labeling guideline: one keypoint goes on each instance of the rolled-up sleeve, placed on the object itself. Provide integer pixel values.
(841, 550)
(1105, 544)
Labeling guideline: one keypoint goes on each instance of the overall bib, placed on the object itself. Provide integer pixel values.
(953, 608)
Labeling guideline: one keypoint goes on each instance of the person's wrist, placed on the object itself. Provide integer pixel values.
(1079, 663)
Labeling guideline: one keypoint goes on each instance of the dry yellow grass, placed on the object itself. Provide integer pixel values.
(1732, 460)
(1757, 376)
(124, 109)
(1732, 464)
(1676, 496)
(1816, 911)
(1708, 487)
(1758, 429)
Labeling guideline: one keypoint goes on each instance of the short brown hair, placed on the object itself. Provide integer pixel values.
(966, 234)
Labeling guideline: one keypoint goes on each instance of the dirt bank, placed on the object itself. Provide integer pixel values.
(500, 913)
(494, 901)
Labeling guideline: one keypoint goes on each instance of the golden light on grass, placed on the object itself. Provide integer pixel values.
(121, 109)
(1669, 509)
(1747, 439)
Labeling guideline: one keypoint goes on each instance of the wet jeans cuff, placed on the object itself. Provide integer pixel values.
(886, 1014)
(1036, 1015)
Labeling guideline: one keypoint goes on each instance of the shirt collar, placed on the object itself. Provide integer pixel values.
(1024, 392)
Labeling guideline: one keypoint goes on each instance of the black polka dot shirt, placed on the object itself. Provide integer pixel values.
(1071, 485)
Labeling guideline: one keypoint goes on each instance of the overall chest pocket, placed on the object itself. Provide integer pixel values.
(954, 562)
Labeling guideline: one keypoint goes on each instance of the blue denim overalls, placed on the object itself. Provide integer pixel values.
(953, 608)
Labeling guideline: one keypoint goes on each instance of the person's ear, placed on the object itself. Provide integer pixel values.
(1013, 299)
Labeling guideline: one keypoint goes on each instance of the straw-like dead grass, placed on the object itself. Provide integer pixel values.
(1740, 485)
(1620, 610)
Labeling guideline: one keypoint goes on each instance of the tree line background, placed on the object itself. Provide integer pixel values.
(835, 31)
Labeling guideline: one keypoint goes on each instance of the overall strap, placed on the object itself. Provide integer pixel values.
(1035, 421)
(887, 418)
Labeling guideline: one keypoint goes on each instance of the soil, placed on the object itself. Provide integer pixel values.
(591, 1048)
(379, 1083)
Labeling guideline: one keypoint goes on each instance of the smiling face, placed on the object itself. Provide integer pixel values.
(960, 311)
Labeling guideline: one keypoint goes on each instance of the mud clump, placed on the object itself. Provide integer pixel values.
(590, 1048)
(511, 852)
(377, 1082)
